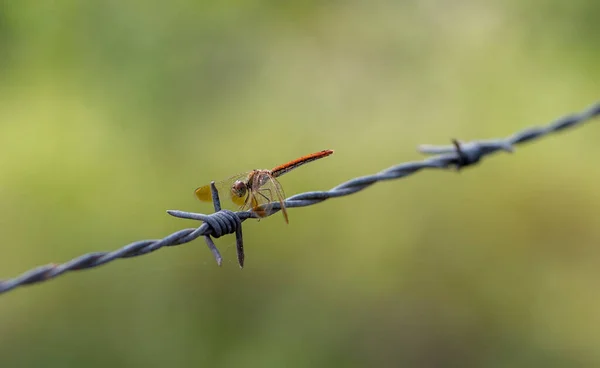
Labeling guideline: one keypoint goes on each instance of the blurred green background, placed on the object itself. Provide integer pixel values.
(112, 112)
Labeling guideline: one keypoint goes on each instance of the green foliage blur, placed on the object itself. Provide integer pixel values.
(112, 112)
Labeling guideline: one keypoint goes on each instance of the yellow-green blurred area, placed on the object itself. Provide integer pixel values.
(112, 112)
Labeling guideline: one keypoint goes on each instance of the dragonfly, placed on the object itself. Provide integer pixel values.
(258, 189)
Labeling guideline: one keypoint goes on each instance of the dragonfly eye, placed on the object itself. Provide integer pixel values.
(238, 188)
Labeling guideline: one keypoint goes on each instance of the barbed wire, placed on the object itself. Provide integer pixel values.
(222, 222)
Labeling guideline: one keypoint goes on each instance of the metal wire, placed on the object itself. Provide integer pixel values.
(222, 222)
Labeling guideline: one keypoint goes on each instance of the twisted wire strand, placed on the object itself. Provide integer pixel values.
(222, 222)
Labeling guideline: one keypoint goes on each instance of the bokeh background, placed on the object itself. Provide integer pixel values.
(112, 112)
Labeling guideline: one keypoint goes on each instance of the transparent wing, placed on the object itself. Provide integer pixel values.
(266, 190)
(224, 188)
(280, 197)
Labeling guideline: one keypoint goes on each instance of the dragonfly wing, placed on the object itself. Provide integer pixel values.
(280, 197)
(204, 193)
(264, 195)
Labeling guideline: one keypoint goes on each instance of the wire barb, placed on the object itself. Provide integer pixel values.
(223, 222)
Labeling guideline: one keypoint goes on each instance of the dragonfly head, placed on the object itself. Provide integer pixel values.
(238, 189)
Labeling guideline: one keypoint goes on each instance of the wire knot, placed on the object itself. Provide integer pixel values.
(219, 223)
(222, 223)
(461, 154)
(467, 154)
